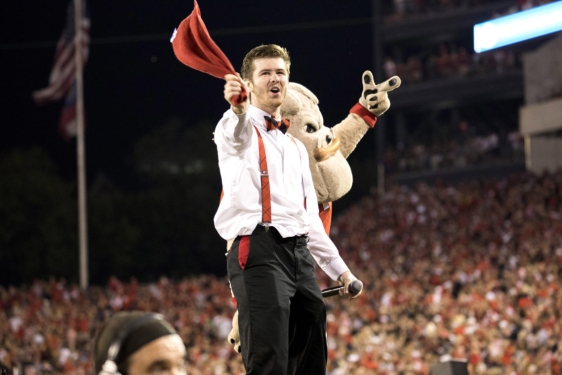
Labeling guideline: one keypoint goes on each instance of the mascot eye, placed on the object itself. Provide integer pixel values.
(310, 128)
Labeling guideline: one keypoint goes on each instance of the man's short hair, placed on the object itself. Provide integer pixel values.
(264, 51)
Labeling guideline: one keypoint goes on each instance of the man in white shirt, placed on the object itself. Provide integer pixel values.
(270, 209)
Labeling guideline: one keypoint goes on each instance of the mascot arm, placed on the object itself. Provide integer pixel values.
(352, 129)
(233, 134)
(365, 115)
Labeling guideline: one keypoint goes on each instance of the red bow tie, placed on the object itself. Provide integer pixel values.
(282, 125)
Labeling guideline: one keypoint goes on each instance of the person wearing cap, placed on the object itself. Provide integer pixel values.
(269, 207)
(138, 343)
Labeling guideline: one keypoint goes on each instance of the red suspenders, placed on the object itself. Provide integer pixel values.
(264, 175)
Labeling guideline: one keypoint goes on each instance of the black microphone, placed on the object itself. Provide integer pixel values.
(355, 287)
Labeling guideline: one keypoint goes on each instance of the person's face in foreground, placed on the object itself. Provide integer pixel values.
(165, 355)
(269, 83)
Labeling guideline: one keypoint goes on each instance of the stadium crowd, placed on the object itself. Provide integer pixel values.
(473, 150)
(450, 61)
(471, 272)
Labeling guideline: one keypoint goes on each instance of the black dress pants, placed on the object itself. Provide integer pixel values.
(281, 312)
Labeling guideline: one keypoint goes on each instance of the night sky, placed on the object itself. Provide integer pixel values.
(134, 83)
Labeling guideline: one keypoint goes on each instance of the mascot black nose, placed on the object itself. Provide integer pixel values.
(392, 82)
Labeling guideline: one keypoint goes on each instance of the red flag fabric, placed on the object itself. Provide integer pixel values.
(194, 47)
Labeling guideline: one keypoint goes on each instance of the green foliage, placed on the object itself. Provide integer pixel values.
(39, 224)
(175, 209)
(38, 231)
(164, 227)
(112, 238)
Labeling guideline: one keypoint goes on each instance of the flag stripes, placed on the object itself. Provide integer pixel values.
(63, 73)
(68, 123)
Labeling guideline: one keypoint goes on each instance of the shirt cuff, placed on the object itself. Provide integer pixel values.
(335, 268)
(362, 112)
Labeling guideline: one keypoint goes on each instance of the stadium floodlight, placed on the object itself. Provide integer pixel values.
(518, 27)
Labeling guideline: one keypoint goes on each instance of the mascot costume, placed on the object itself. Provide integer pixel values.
(327, 148)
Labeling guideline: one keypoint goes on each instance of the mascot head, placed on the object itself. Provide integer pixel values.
(330, 171)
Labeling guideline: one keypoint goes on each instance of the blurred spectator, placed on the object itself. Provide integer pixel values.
(443, 66)
(389, 67)
(413, 70)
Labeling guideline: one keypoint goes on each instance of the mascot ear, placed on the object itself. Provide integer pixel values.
(292, 104)
(304, 92)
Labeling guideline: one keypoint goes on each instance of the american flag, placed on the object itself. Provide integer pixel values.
(62, 80)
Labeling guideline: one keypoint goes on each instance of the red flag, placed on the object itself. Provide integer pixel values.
(63, 73)
(194, 47)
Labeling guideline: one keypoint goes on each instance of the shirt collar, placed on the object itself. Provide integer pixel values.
(258, 115)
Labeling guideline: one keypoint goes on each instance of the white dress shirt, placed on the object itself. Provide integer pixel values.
(240, 210)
